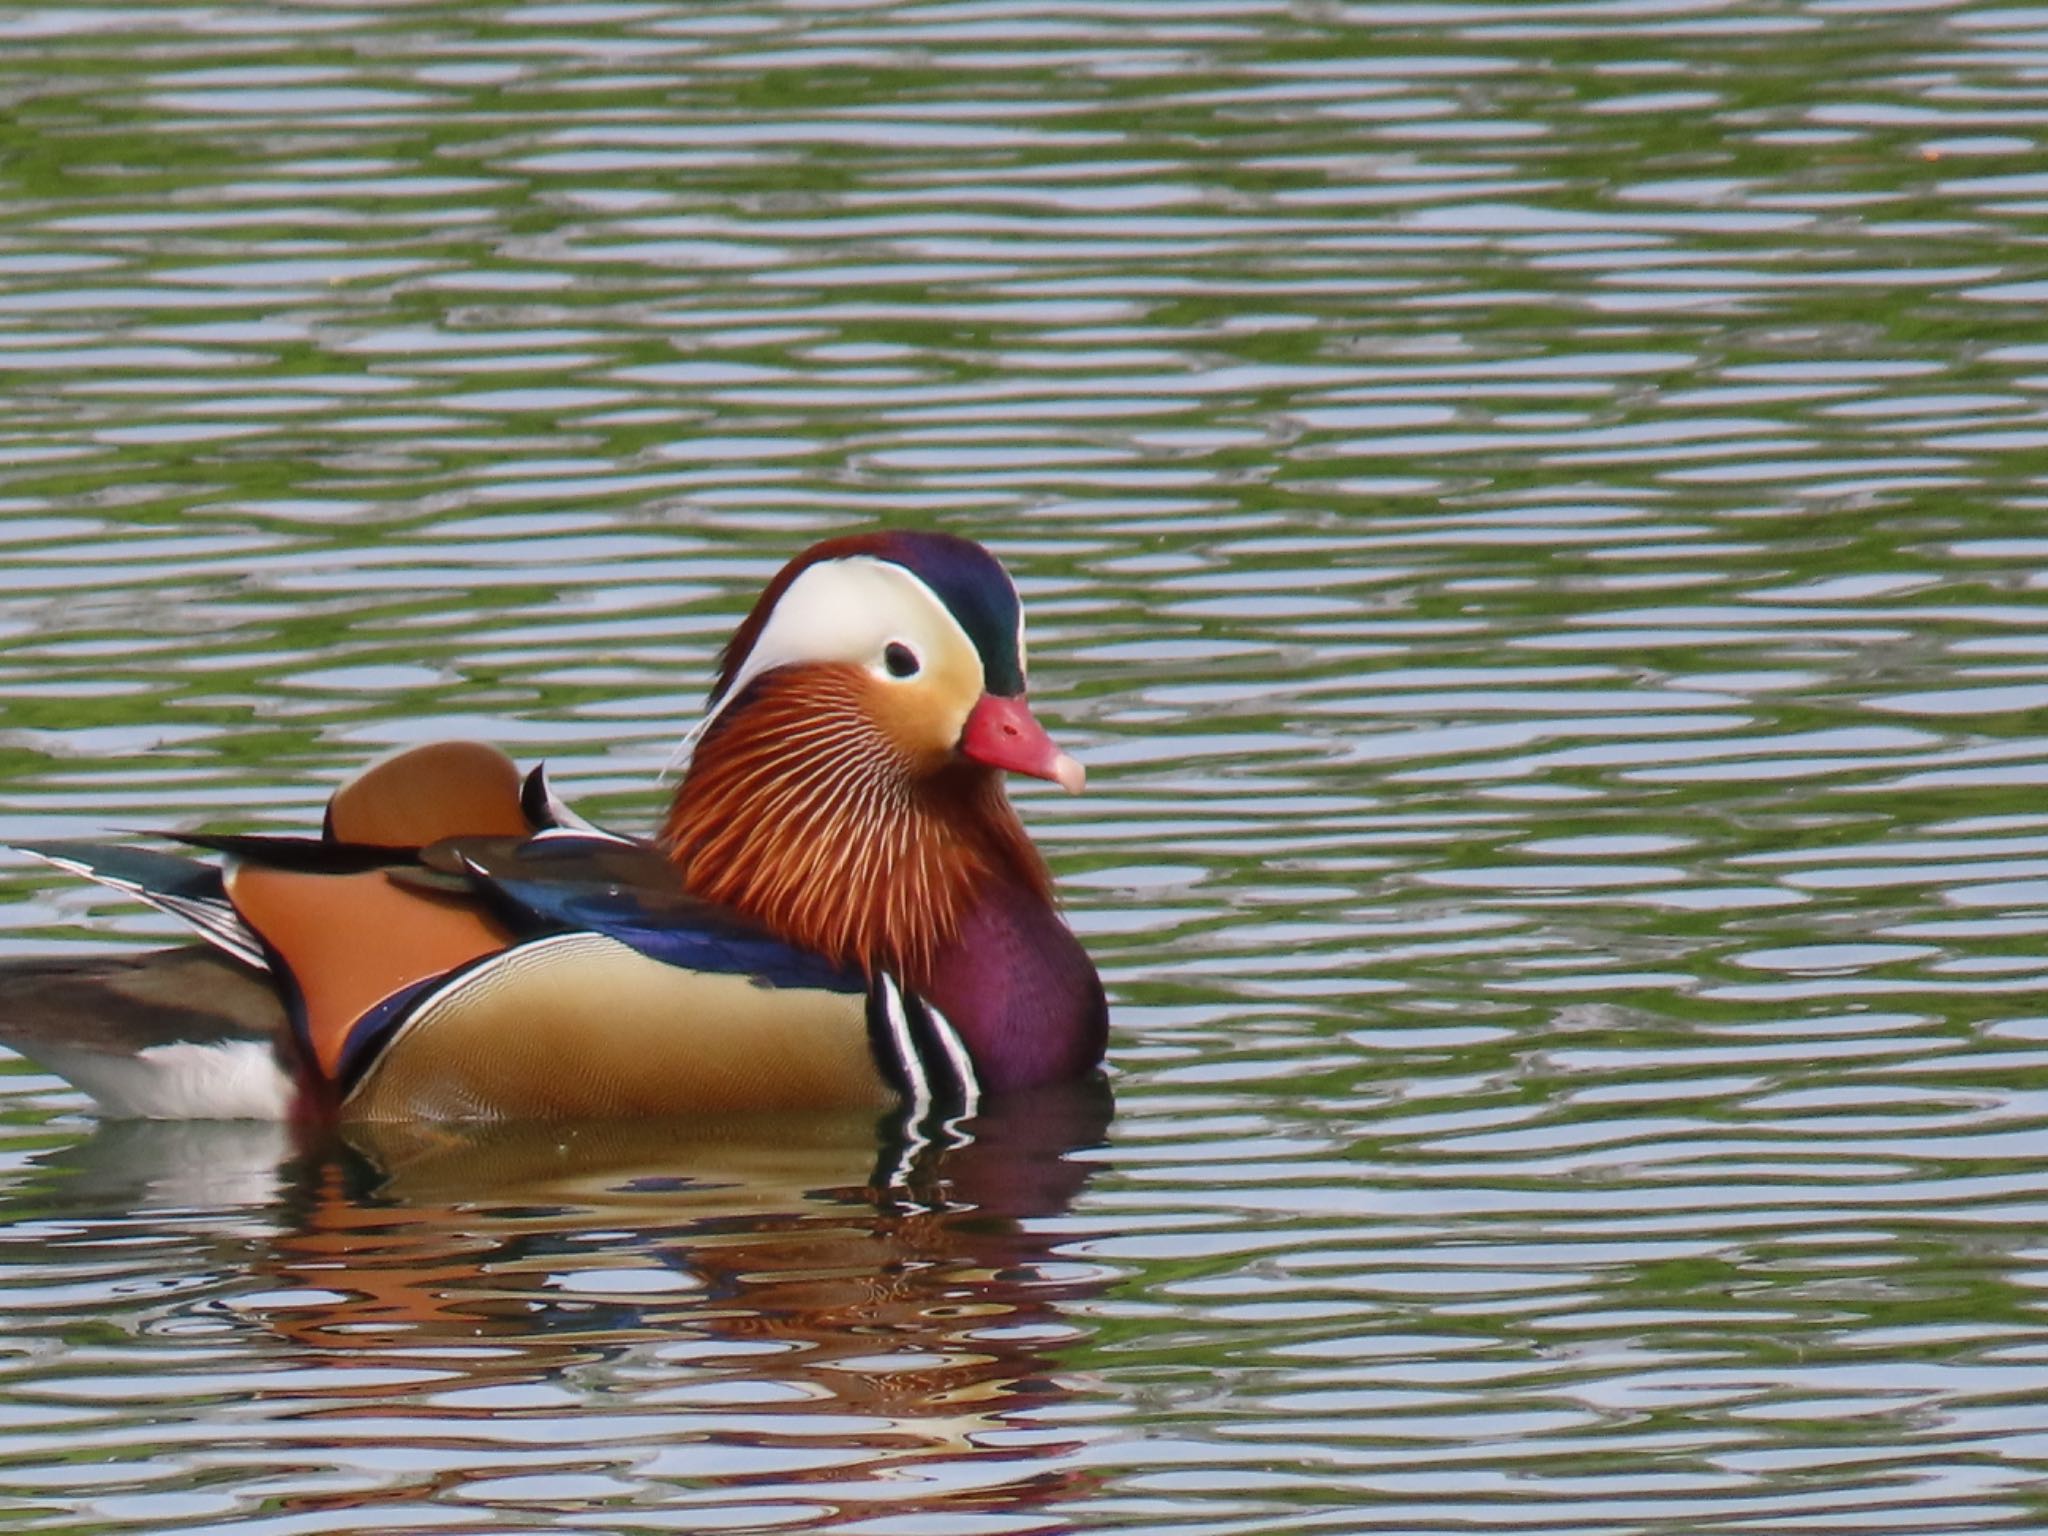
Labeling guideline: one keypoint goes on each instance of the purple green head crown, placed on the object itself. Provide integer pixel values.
(969, 581)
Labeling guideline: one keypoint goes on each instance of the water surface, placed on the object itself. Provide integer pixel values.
(1531, 515)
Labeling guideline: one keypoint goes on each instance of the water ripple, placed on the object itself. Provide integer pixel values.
(1529, 513)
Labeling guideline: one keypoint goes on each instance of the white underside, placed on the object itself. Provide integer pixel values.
(228, 1080)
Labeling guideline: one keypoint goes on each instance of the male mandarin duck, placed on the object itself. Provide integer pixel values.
(841, 908)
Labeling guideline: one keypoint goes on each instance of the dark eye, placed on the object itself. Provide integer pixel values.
(900, 659)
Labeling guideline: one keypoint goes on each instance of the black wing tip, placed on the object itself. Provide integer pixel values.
(546, 811)
(312, 855)
(536, 798)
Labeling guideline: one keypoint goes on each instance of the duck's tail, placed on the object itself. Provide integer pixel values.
(173, 1034)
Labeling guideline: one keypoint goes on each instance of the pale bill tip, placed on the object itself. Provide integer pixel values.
(1068, 773)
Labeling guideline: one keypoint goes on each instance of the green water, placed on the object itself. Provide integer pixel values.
(1532, 515)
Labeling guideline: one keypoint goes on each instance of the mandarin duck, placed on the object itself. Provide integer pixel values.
(840, 909)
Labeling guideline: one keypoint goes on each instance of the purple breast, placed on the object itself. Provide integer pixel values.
(1022, 993)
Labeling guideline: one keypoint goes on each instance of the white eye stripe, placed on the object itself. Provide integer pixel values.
(841, 610)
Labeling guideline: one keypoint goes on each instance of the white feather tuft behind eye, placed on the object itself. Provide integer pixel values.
(850, 610)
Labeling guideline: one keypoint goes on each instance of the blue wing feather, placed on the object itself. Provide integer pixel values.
(696, 937)
(567, 881)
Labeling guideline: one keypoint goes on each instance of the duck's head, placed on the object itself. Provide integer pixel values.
(845, 785)
(925, 628)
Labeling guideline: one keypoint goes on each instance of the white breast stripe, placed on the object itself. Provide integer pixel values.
(906, 1049)
(956, 1054)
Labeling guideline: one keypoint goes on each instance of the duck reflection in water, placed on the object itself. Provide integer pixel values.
(855, 1318)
